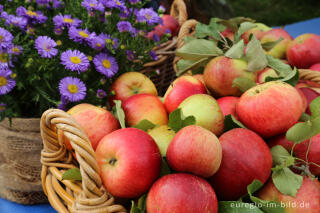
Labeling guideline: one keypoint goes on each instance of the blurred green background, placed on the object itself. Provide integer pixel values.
(276, 12)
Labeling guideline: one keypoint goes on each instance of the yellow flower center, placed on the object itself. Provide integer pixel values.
(31, 13)
(68, 20)
(118, 3)
(83, 34)
(2, 108)
(92, 5)
(15, 50)
(75, 59)
(98, 45)
(72, 88)
(106, 63)
(148, 16)
(59, 42)
(109, 41)
(3, 58)
(89, 58)
(1, 38)
(122, 46)
(3, 81)
(13, 75)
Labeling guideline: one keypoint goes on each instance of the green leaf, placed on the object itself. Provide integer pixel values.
(185, 65)
(233, 23)
(281, 68)
(237, 207)
(304, 117)
(140, 207)
(292, 78)
(144, 125)
(280, 156)
(72, 174)
(286, 181)
(177, 121)
(165, 169)
(271, 44)
(300, 132)
(198, 49)
(243, 83)
(186, 39)
(230, 122)
(315, 108)
(203, 31)
(215, 25)
(254, 186)
(244, 27)
(119, 113)
(236, 51)
(255, 55)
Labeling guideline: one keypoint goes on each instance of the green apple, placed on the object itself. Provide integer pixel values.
(162, 135)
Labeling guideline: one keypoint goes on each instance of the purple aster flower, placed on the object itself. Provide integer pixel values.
(156, 38)
(105, 64)
(61, 21)
(92, 5)
(79, 35)
(130, 55)
(5, 39)
(124, 13)
(72, 89)
(124, 26)
(115, 43)
(119, 4)
(134, 32)
(32, 15)
(6, 83)
(134, 1)
(162, 9)
(1, 8)
(3, 107)
(63, 103)
(57, 4)
(153, 55)
(4, 15)
(97, 42)
(4, 60)
(16, 50)
(101, 93)
(46, 47)
(149, 16)
(43, 2)
(75, 61)
(18, 21)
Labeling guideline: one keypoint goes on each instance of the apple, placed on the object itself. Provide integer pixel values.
(307, 199)
(144, 107)
(129, 161)
(220, 72)
(315, 67)
(258, 32)
(263, 74)
(245, 157)
(310, 95)
(300, 150)
(270, 109)
(162, 135)
(129, 84)
(278, 51)
(169, 24)
(180, 89)
(206, 111)
(228, 105)
(304, 51)
(199, 77)
(228, 33)
(304, 99)
(95, 121)
(181, 193)
(196, 150)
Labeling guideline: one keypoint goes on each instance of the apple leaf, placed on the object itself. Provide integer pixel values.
(243, 83)
(286, 181)
(186, 39)
(119, 113)
(230, 122)
(236, 51)
(186, 65)
(244, 27)
(72, 174)
(237, 207)
(281, 68)
(203, 31)
(198, 49)
(165, 169)
(140, 207)
(315, 108)
(255, 55)
(301, 132)
(233, 23)
(145, 125)
(304, 117)
(281, 157)
(177, 121)
(271, 44)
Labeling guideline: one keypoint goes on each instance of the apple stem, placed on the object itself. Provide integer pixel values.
(304, 169)
(112, 161)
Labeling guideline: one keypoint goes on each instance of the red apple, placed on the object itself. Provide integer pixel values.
(180, 89)
(245, 157)
(162, 135)
(169, 24)
(129, 162)
(310, 95)
(95, 121)
(270, 109)
(227, 33)
(181, 193)
(315, 67)
(263, 74)
(131, 83)
(258, 32)
(199, 77)
(304, 99)
(144, 107)
(206, 111)
(196, 150)
(228, 105)
(304, 51)
(278, 51)
(307, 199)
(220, 73)
(300, 150)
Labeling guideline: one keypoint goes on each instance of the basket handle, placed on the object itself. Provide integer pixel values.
(311, 75)
(187, 29)
(92, 197)
(179, 11)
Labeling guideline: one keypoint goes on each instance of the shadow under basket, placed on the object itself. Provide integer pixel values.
(20, 165)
